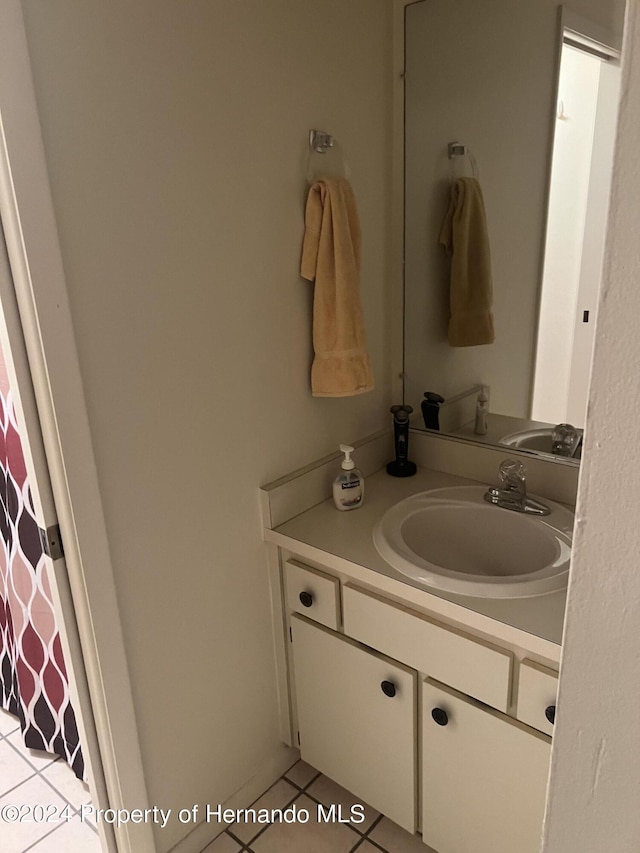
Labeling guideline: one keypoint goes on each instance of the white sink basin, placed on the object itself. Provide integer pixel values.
(453, 540)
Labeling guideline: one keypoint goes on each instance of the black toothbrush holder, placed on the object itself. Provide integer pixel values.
(401, 466)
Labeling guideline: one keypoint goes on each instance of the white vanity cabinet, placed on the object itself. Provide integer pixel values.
(357, 718)
(440, 729)
(484, 777)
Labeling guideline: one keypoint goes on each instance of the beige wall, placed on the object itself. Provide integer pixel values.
(609, 14)
(175, 135)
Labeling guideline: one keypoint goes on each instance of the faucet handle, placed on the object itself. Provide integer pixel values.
(512, 493)
(512, 474)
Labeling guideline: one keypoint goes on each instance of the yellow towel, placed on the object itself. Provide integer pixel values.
(464, 236)
(331, 257)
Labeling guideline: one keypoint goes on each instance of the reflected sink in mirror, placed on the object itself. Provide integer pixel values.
(451, 539)
(539, 440)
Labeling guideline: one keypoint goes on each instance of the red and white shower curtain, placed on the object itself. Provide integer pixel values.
(33, 678)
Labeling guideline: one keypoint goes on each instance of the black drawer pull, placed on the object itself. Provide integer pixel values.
(440, 716)
(306, 599)
(388, 688)
(550, 713)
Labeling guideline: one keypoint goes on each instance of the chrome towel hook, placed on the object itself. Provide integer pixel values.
(335, 165)
(319, 141)
(456, 149)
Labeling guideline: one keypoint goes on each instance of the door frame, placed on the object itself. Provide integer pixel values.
(90, 612)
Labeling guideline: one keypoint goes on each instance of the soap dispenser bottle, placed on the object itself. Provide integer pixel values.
(348, 486)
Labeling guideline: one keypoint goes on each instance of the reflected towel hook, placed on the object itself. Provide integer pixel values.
(457, 149)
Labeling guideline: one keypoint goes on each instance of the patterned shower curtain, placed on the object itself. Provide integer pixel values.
(33, 677)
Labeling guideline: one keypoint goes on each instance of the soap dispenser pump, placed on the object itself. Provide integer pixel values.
(401, 466)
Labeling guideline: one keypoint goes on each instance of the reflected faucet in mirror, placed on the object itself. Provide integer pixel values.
(563, 440)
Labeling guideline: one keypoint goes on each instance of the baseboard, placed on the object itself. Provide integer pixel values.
(205, 832)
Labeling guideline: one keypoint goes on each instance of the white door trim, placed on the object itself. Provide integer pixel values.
(28, 219)
(26, 410)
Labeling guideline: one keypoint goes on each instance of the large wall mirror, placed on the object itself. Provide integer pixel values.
(528, 91)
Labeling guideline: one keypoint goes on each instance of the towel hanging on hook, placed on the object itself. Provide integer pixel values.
(320, 143)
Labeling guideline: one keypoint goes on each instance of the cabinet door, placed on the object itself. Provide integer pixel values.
(484, 777)
(357, 719)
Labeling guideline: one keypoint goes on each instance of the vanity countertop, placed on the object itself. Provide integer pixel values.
(343, 541)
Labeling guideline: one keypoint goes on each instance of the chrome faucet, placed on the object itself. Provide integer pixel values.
(512, 491)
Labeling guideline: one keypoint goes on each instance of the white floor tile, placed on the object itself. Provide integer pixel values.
(16, 837)
(310, 837)
(72, 837)
(64, 780)
(13, 768)
(330, 793)
(397, 840)
(277, 797)
(223, 844)
(301, 774)
(37, 757)
(8, 723)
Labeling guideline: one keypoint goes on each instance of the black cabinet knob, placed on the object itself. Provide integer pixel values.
(550, 713)
(388, 688)
(306, 599)
(440, 716)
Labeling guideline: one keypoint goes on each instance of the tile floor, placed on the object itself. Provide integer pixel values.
(30, 777)
(305, 788)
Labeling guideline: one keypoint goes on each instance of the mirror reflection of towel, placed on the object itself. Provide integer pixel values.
(464, 235)
(331, 258)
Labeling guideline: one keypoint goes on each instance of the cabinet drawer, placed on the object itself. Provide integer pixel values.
(313, 593)
(537, 689)
(443, 653)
